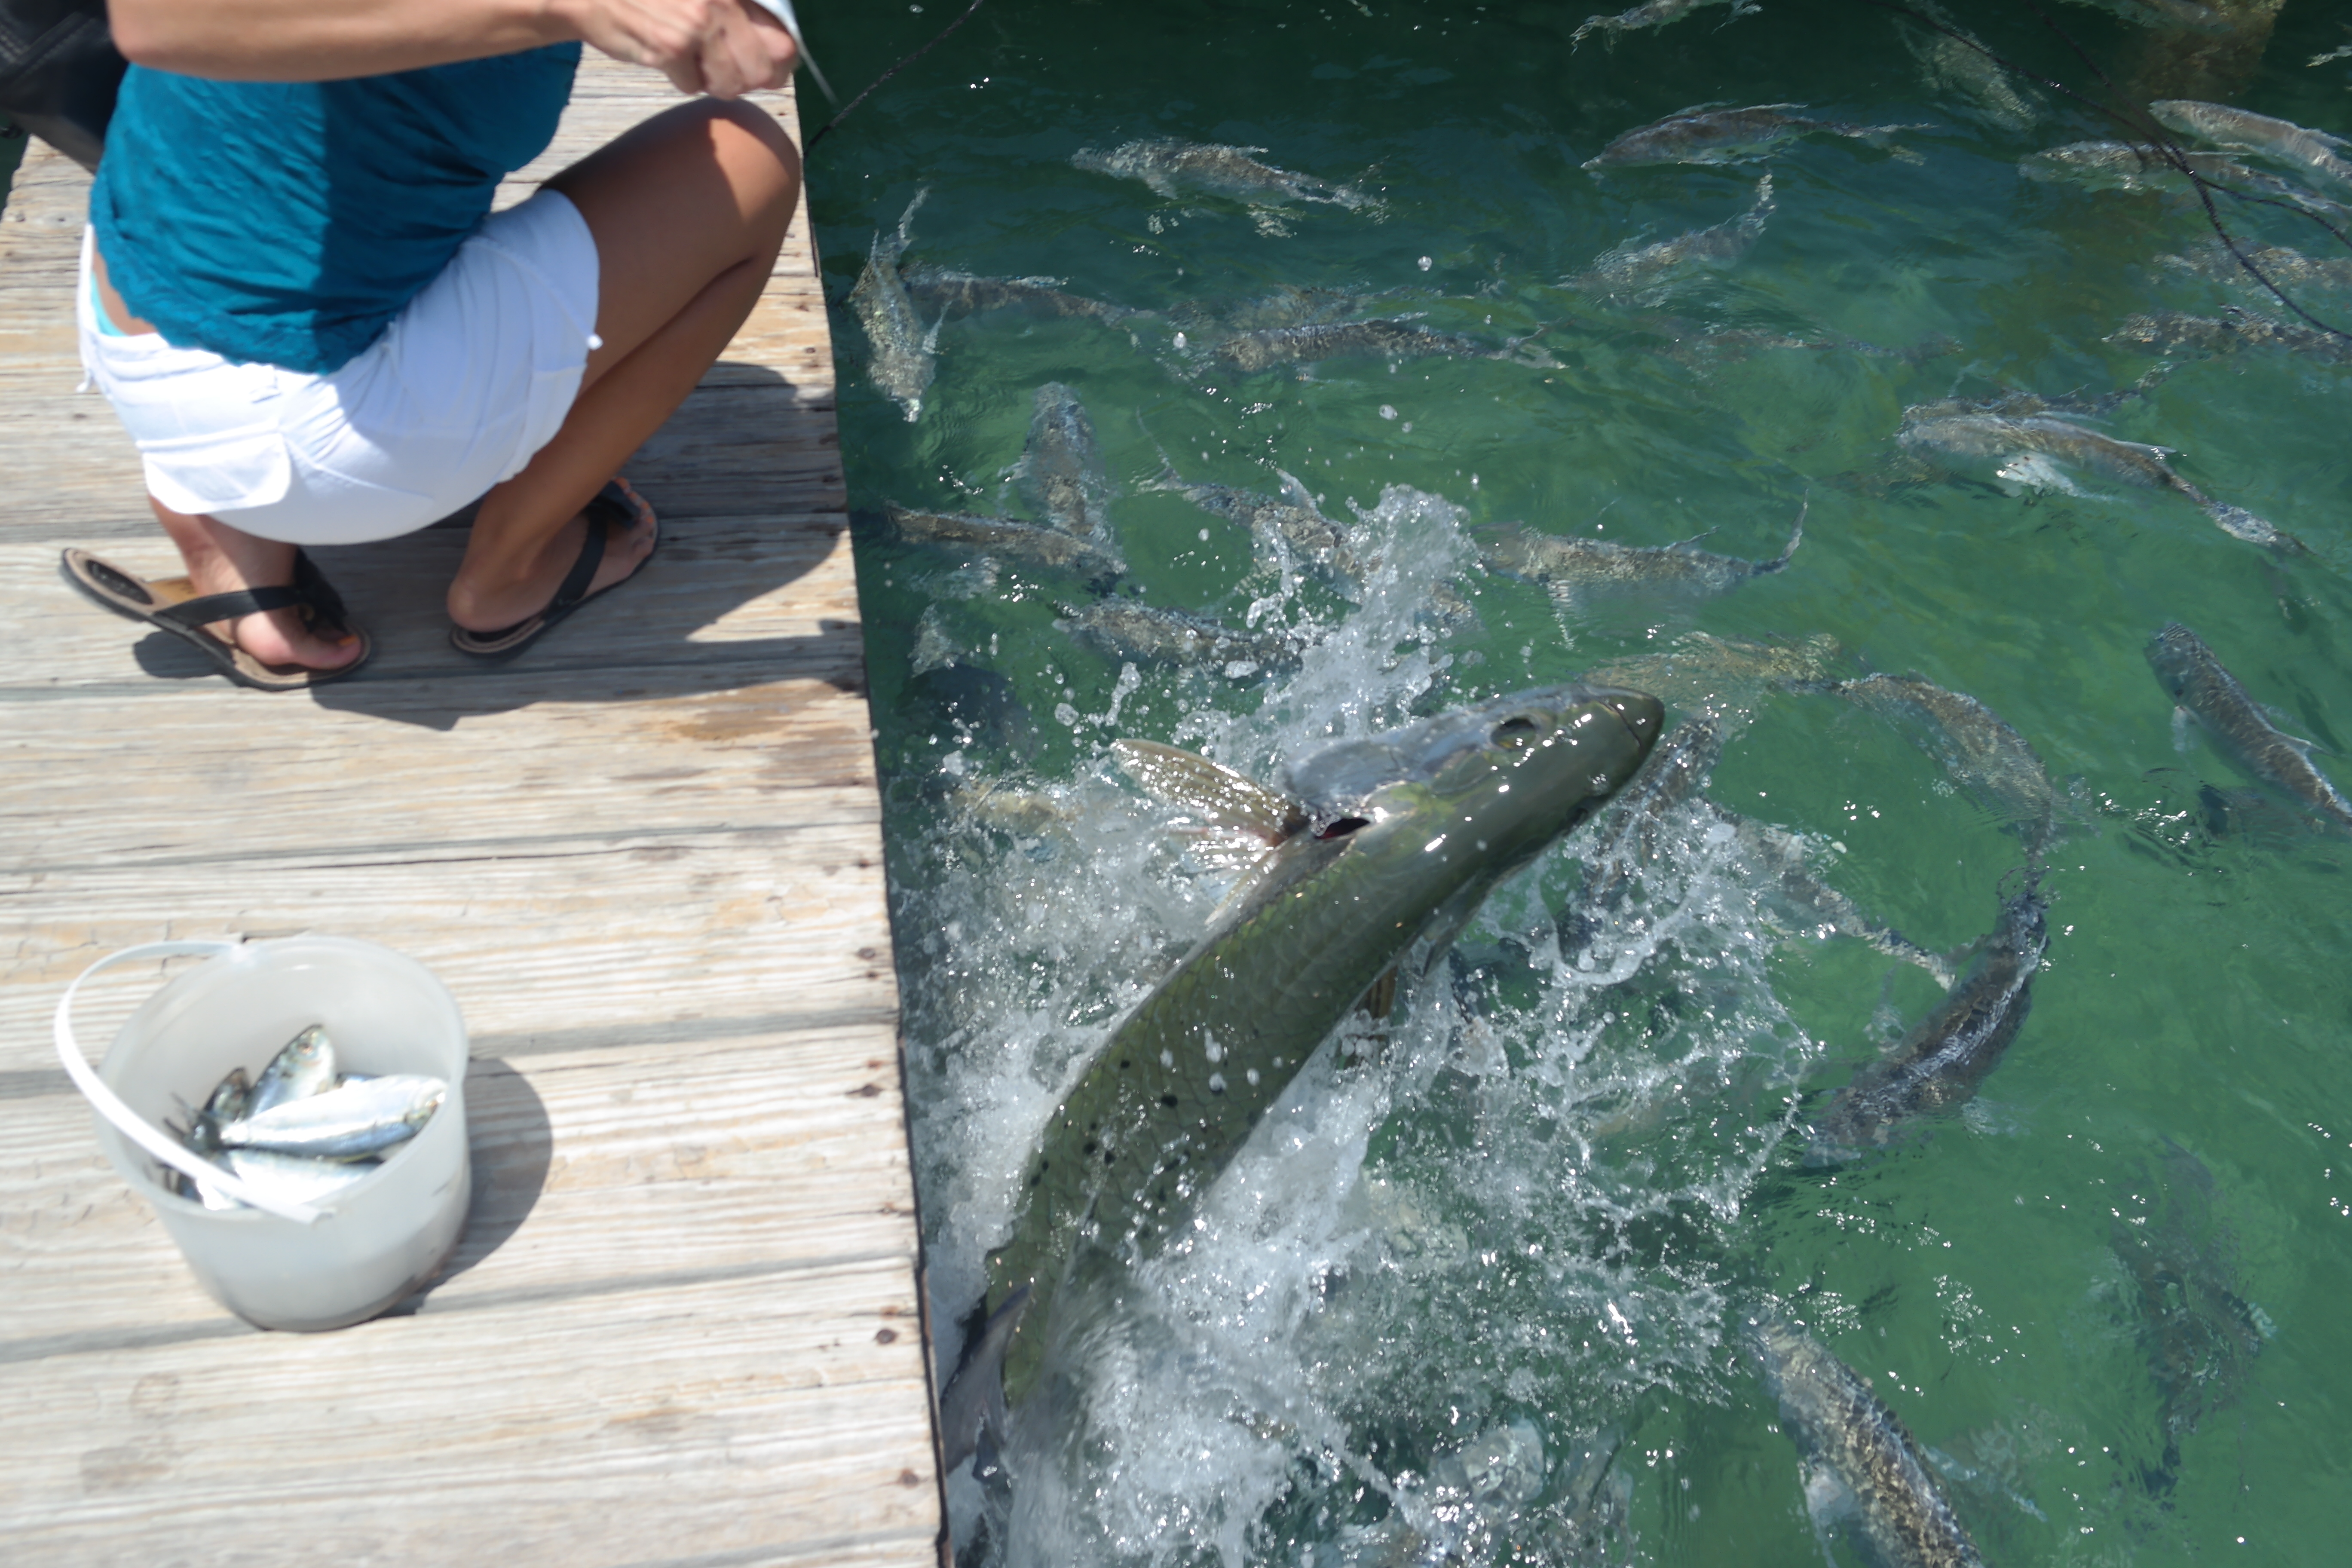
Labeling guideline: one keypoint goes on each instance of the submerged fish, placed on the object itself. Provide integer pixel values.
(2283, 265)
(1165, 164)
(1727, 136)
(1008, 540)
(1383, 849)
(304, 1068)
(1290, 524)
(354, 1119)
(1128, 628)
(1940, 1063)
(1390, 337)
(1954, 61)
(1700, 668)
(1636, 837)
(1060, 475)
(2211, 695)
(1984, 755)
(2029, 451)
(1654, 14)
(2137, 166)
(2247, 132)
(1574, 569)
(2229, 332)
(2191, 14)
(1630, 269)
(2200, 1333)
(1862, 1470)
(945, 291)
(904, 357)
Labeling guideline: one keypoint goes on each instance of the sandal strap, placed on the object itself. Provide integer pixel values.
(607, 506)
(310, 593)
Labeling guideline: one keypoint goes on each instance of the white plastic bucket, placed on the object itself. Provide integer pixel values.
(278, 1264)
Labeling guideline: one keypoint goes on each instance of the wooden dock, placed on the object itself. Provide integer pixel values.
(683, 1325)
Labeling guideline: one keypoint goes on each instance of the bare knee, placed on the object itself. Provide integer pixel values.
(763, 164)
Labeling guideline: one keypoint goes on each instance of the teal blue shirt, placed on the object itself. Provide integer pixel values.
(287, 222)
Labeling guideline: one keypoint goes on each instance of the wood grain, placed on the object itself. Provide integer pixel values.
(683, 1325)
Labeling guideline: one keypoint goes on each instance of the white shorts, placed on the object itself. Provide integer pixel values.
(471, 379)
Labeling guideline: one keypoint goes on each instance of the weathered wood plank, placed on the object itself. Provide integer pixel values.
(683, 1324)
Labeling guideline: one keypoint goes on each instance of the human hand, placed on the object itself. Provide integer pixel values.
(724, 47)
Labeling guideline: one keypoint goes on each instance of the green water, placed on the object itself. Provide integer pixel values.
(1445, 1237)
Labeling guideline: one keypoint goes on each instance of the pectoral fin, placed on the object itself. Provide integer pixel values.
(974, 1400)
(1215, 794)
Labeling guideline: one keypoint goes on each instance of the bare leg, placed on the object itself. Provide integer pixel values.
(222, 560)
(689, 211)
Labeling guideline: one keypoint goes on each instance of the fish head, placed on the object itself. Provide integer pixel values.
(1500, 779)
(2175, 653)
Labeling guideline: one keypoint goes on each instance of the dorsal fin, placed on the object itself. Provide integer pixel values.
(1219, 795)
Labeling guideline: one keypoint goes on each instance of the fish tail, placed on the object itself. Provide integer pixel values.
(974, 1401)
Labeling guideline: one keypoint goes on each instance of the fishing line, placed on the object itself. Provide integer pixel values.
(894, 71)
(2159, 139)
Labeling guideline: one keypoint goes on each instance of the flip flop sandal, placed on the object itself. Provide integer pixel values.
(173, 605)
(617, 504)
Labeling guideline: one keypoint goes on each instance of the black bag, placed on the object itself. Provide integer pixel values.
(58, 72)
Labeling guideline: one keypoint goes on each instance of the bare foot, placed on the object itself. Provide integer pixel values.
(479, 606)
(224, 560)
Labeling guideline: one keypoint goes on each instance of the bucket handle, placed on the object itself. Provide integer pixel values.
(136, 1127)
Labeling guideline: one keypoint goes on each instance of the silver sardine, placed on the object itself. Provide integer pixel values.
(1863, 1474)
(304, 1068)
(346, 1123)
(2212, 696)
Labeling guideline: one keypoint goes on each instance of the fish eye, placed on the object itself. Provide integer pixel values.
(1343, 827)
(1516, 730)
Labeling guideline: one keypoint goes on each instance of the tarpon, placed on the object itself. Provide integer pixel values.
(2283, 265)
(2212, 696)
(2247, 132)
(1862, 1470)
(2137, 166)
(2201, 1335)
(1705, 135)
(945, 291)
(904, 356)
(1166, 165)
(1060, 475)
(1128, 628)
(1382, 849)
(2230, 332)
(1654, 14)
(1700, 667)
(1634, 838)
(1575, 569)
(1290, 524)
(1953, 60)
(1393, 337)
(1939, 1065)
(1630, 269)
(2023, 451)
(1984, 755)
(1007, 540)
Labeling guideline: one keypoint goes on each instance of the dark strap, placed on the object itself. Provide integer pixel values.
(322, 607)
(607, 506)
